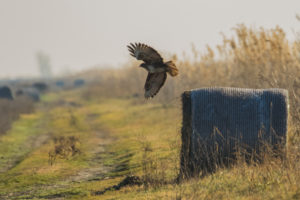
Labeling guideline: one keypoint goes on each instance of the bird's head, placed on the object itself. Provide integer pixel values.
(143, 65)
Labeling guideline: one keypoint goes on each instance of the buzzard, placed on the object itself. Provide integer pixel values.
(154, 64)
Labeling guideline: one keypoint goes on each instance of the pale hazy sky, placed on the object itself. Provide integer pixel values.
(78, 34)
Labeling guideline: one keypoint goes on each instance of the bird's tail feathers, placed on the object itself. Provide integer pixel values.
(171, 68)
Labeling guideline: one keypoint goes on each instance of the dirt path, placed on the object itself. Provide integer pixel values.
(96, 170)
(58, 118)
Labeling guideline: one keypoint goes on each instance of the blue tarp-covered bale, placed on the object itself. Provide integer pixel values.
(5, 93)
(60, 83)
(219, 122)
(30, 92)
(40, 86)
(79, 82)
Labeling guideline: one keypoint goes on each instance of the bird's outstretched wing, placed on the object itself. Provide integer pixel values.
(153, 83)
(145, 53)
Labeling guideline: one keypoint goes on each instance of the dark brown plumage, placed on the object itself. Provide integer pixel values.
(154, 64)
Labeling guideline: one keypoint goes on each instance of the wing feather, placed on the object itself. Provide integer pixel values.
(144, 52)
(153, 83)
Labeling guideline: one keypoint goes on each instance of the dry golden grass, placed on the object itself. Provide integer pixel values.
(146, 134)
(252, 58)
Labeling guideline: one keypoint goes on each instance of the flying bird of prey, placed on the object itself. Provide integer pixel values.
(154, 64)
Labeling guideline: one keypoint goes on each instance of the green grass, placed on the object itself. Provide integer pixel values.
(119, 138)
(17, 142)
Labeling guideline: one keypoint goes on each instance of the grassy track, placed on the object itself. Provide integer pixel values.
(117, 138)
(111, 136)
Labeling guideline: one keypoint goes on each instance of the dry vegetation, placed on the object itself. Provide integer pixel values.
(130, 147)
(64, 147)
(11, 110)
(252, 58)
